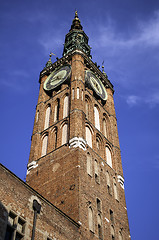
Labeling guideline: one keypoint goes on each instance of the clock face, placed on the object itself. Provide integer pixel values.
(57, 77)
(96, 84)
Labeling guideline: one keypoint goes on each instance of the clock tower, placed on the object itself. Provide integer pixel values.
(75, 159)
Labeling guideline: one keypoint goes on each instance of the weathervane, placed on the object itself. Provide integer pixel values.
(49, 61)
(51, 54)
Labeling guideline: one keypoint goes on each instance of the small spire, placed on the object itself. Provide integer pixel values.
(103, 66)
(103, 70)
(76, 23)
(49, 62)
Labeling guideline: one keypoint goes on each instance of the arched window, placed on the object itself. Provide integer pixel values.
(66, 106)
(90, 219)
(96, 118)
(56, 110)
(89, 164)
(99, 226)
(44, 145)
(108, 182)
(87, 107)
(47, 117)
(98, 205)
(115, 189)
(73, 93)
(55, 138)
(88, 136)
(82, 94)
(37, 116)
(96, 171)
(120, 235)
(111, 216)
(64, 133)
(104, 127)
(112, 232)
(98, 142)
(108, 157)
(78, 93)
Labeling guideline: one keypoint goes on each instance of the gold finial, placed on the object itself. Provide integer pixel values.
(103, 66)
(76, 14)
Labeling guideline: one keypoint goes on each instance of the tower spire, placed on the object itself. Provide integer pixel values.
(76, 38)
(76, 23)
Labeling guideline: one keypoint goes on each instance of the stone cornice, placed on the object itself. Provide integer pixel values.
(88, 62)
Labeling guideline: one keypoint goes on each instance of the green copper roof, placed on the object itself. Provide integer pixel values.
(76, 38)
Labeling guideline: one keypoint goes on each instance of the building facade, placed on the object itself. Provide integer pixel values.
(74, 167)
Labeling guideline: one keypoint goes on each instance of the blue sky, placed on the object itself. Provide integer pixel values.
(125, 34)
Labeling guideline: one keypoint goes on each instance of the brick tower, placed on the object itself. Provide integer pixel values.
(75, 159)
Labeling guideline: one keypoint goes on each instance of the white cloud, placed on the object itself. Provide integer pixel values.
(132, 100)
(16, 80)
(145, 34)
(151, 100)
(51, 42)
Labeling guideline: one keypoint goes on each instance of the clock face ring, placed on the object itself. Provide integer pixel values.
(57, 77)
(95, 83)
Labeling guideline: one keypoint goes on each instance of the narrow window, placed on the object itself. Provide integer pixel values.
(115, 190)
(90, 219)
(73, 93)
(98, 205)
(112, 233)
(64, 133)
(120, 235)
(78, 93)
(82, 94)
(57, 110)
(111, 216)
(89, 164)
(108, 182)
(96, 174)
(88, 136)
(97, 142)
(104, 127)
(96, 118)
(55, 138)
(47, 117)
(37, 116)
(55, 113)
(87, 108)
(44, 145)
(99, 227)
(66, 106)
(108, 157)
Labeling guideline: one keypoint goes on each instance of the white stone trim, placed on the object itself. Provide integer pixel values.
(77, 142)
(121, 181)
(107, 219)
(31, 165)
